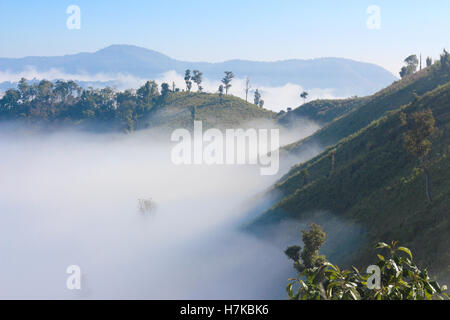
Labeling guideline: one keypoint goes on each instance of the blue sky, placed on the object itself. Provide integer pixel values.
(200, 30)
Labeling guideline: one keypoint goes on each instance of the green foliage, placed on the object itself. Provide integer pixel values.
(416, 140)
(308, 257)
(313, 240)
(197, 78)
(293, 252)
(376, 185)
(148, 92)
(187, 79)
(227, 80)
(411, 66)
(164, 90)
(67, 103)
(374, 107)
(400, 279)
(221, 93)
(445, 61)
(257, 97)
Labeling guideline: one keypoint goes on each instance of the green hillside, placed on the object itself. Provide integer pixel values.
(65, 103)
(399, 93)
(322, 111)
(369, 179)
(180, 109)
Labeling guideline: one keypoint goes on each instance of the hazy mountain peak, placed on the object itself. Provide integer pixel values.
(125, 49)
(343, 77)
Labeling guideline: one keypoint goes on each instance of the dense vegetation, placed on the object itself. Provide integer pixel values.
(66, 103)
(394, 277)
(371, 178)
(391, 98)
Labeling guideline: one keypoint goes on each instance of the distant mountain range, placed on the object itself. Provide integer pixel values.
(346, 77)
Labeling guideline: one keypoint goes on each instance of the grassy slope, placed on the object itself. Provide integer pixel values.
(322, 111)
(399, 93)
(375, 183)
(180, 109)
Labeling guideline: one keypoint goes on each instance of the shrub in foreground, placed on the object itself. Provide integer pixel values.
(393, 277)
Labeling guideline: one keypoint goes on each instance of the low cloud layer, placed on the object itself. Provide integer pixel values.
(276, 98)
(71, 198)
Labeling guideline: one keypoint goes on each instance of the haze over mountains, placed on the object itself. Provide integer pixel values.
(353, 175)
(338, 76)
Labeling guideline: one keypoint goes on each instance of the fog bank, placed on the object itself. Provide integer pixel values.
(71, 198)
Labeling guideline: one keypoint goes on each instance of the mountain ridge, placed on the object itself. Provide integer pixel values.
(345, 76)
(368, 178)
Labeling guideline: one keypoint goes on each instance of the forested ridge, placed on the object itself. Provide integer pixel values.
(65, 103)
(392, 176)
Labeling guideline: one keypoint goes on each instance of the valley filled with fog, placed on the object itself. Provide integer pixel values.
(71, 198)
(201, 151)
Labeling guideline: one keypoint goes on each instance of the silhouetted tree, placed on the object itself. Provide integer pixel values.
(411, 66)
(165, 90)
(257, 97)
(197, 78)
(187, 79)
(227, 80)
(445, 61)
(221, 93)
(304, 96)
